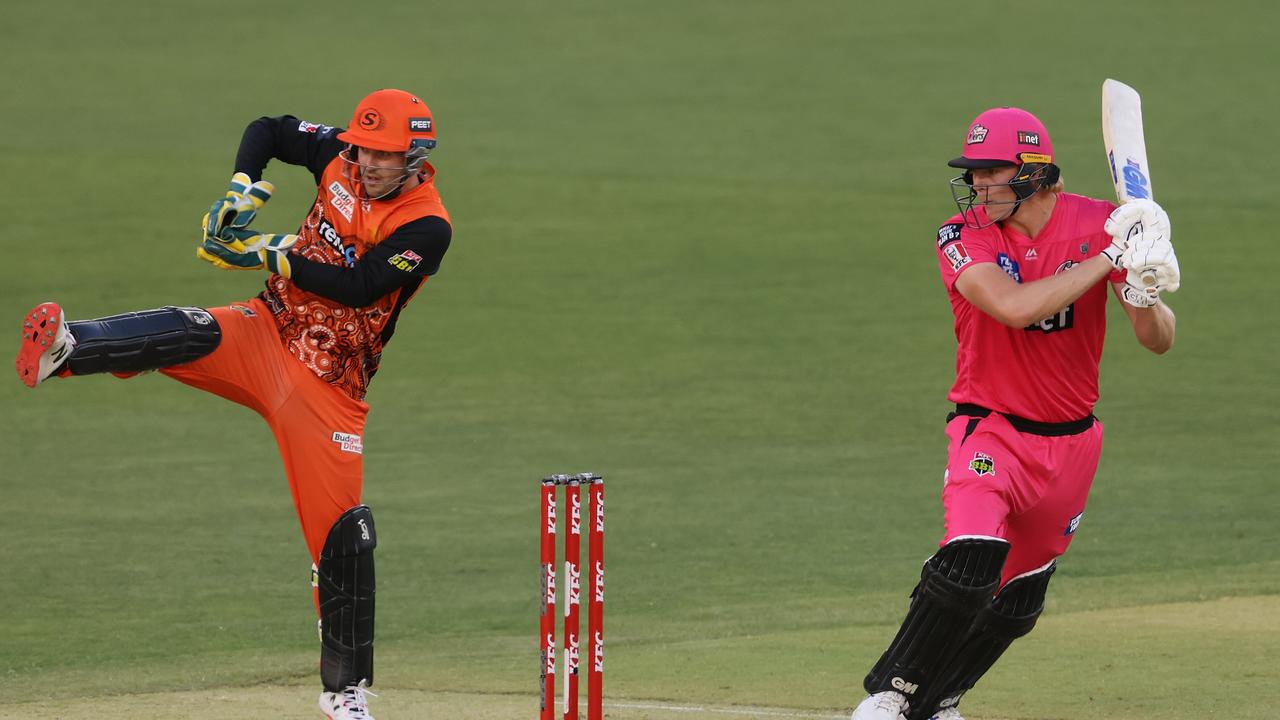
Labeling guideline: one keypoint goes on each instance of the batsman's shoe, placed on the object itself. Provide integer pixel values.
(888, 705)
(350, 704)
(947, 714)
(46, 344)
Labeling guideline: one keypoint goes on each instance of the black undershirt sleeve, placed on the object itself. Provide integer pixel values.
(408, 256)
(287, 139)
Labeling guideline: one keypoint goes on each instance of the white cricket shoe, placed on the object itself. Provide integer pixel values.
(888, 705)
(350, 704)
(45, 344)
(947, 714)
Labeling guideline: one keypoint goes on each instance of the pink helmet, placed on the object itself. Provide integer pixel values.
(1005, 136)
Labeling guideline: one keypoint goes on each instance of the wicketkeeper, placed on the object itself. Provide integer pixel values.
(1026, 268)
(301, 353)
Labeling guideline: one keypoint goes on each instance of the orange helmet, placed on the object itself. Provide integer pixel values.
(392, 121)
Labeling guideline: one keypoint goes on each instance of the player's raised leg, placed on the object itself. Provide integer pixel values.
(45, 344)
(128, 343)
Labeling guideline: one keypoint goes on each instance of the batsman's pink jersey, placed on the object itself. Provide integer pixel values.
(1047, 371)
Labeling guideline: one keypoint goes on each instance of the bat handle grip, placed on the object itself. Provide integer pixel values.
(1148, 278)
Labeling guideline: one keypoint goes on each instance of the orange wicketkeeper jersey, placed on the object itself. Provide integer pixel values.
(342, 344)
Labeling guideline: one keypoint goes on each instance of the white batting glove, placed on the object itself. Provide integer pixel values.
(1153, 265)
(1136, 297)
(1131, 221)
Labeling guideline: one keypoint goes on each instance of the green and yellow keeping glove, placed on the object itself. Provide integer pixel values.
(237, 208)
(248, 250)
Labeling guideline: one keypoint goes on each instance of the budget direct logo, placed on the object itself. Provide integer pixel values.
(341, 200)
(349, 443)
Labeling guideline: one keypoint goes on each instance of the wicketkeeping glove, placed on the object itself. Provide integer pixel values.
(248, 250)
(274, 251)
(237, 208)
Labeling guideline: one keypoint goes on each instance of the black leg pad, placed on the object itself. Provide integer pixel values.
(956, 583)
(344, 578)
(1011, 615)
(146, 340)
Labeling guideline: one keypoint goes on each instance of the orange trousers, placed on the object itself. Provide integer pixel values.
(318, 427)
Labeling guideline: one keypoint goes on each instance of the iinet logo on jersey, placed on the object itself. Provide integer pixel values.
(349, 443)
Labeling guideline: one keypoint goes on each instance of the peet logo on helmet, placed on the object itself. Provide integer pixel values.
(371, 119)
(419, 124)
(1028, 138)
(977, 134)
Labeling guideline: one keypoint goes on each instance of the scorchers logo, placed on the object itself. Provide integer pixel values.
(331, 236)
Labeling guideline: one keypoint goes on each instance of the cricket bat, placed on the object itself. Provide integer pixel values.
(1126, 147)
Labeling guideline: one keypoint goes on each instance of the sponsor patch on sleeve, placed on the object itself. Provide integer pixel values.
(313, 128)
(406, 260)
(1073, 524)
(948, 233)
(957, 255)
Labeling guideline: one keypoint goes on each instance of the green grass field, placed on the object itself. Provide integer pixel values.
(693, 251)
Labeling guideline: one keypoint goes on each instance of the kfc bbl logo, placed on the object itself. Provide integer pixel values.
(982, 464)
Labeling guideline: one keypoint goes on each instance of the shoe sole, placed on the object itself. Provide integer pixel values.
(39, 329)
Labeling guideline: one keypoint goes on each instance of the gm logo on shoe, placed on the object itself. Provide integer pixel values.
(903, 686)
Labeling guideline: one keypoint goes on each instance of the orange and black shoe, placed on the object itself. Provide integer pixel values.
(46, 344)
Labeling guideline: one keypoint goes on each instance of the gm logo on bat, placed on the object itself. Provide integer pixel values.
(1135, 180)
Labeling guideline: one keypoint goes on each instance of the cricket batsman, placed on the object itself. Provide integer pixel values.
(1026, 268)
(301, 353)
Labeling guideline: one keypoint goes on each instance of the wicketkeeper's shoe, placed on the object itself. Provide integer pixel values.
(46, 344)
(350, 704)
(888, 705)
